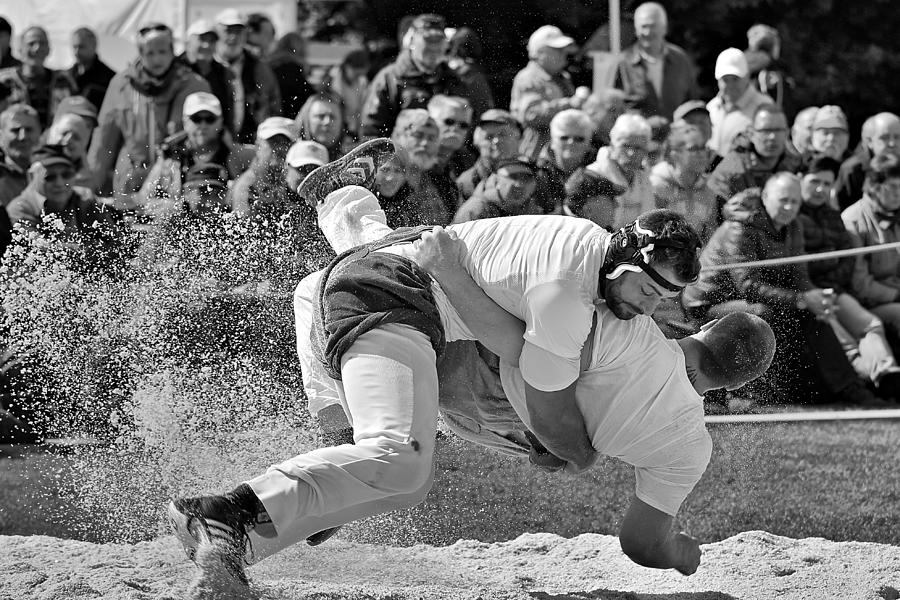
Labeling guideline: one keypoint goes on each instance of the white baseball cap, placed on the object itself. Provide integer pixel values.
(277, 126)
(201, 26)
(201, 101)
(732, 62)
(231, 16)
(548, 36)
(306, 152)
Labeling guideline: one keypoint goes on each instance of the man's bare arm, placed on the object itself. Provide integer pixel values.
(646, 537)
(558, 423)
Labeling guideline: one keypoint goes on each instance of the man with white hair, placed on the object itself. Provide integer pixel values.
(453, 116)
(72, 133)
(830, 135)
(655, 75)
(544, 87)
(732, 110)
(568, 152)
(880, 136)
(616, 188)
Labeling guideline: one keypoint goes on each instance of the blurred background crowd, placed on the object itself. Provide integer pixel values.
(761, 133)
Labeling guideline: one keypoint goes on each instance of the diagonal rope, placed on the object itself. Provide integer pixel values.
(788, 260)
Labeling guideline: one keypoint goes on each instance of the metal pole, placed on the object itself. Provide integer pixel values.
(615, 27)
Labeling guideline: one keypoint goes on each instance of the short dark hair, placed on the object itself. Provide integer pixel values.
(816, 163)
(85, 32)
(737, 348)
(881, 168)
(667, 225)
(256, 20)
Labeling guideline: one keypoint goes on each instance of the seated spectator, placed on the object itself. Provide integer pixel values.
(544, 87)
(508, 191)
(809, 365)
(464, 55)
(432, 197)
(880, 136)
(873, 220)
(615, 189)
(303, 157)
(34, 84)
(679, 181)
(659, 133)
(830, 135)
(287, 62)
(262, 190)
(453, 116)
(202, 140)
(350, 80)
(19, 135)
(72, 133)
(603, 109)
(695, 113)
(200, 54)
(393, 191)
(205, 190)
(732, 110)
(321, 119)
(143, 105)
(78, 106)
(497, 138)
(755, 156)
(861, 333)
(257, 95)
(568, 152)
(90, 74)
(801, 130)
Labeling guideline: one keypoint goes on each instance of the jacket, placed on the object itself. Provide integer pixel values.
(851, 177)
(876, 278)
(138, 113)
(748, 235)
(679, 81)
(486, 203)
(824, 231)
(402, 85)
(434, 203)
(696, 202)
(43, 95)
(535, 99)
(13, 180)
(469, 179)
(602, 193)
(292, 83)
(262, 97)
(740, 169)
(728, 124)
(551, 180)
(93, 81)
(221, 85)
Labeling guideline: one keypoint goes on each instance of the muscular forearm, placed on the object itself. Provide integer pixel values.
(556, 420)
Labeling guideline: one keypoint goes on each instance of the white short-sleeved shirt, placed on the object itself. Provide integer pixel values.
(639, 407)
(543, 269)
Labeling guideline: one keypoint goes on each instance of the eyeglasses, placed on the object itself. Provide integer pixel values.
(772, 131)
(200, 118)
(578, 139)
(454, 122)
(156, 27)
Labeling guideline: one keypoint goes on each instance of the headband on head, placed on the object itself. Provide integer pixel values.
(630, 249)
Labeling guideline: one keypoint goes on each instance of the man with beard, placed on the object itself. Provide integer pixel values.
(453, 116)
(143, 105)
(880, 137)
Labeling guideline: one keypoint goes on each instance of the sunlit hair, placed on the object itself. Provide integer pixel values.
(630, 124)
(442, 101)
(655, 8)
(571, 118)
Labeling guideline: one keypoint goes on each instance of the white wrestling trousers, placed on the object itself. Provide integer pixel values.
(389, 391)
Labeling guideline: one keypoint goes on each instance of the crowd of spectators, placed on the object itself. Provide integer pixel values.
(235, 122)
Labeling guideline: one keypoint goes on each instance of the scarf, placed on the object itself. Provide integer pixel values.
(148, 84)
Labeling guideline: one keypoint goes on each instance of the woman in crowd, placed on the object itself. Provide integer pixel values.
(321, 119)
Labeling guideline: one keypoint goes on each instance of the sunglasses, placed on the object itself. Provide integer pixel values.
(199, 118)
(578, 139)
(454, 122)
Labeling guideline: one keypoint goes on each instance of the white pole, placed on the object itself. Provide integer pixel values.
(615, 27)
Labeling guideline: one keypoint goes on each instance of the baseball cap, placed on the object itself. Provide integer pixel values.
(230, 17)
(202, 101)
(209, 175)
(201, 26)
(77, 105)
(687, 108)
(430, 24)
(548, 36)
(517, 162)
(306, 152)
(732, 62)
(277, 126)
(51, 154)
(500, 117)
(830, 117)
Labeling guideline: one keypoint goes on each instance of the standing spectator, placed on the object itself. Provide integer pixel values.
(19, 135)
(508, 191)
(809, 361)
(419, 73)
(757, 156)
(260, 35)
(428, 197)
(615, 189)
(287, 62)
(321, 119)
(464, 57)
(256, 92)
(801, 130)
(830, 135)
(732, 110)
(860, 332)
(72, 133)
(679, 181)
(6, 57)
(763, 55)
(544, 87)
(142, 107)
(497, 138)
(33, 83)
(262, 190)
(91, 75)
(350, 80)
(655, 75)
(200, 55)
(453, 116)
(880, 136)
(567, 154)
